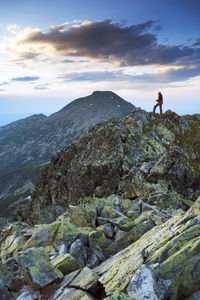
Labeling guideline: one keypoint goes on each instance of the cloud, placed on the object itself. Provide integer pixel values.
(4, 83)
(25, 78)
(196, 43)
(170, 75)
(92, 76)
(14, 28)
(41, 87)
(102, 40)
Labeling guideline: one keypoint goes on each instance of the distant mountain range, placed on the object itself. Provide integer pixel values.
(27, 145)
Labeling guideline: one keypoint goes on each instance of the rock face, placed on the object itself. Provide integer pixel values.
(148, 156)
(26, 145)
(116, 215)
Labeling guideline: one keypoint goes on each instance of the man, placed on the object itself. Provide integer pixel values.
(160, 102)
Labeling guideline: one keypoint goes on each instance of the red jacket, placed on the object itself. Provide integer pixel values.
(160, 99)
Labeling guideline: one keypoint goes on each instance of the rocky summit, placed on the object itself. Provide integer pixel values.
(115, 215)
(27, 145)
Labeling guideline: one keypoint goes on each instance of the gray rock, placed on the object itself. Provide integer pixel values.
(78, 251)
(27, 293)
(195, 296)
(37, 267)
(143, 285)
(65, 282)
(146, 167)
(63, 249)
(66, 263)
(5, 295)
(107, 229)
(71, 293)
(86, 280)
(93, 261)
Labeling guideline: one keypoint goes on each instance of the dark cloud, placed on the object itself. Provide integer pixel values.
(171, 75)
(25, 78)
(114, 42)
(196, 43)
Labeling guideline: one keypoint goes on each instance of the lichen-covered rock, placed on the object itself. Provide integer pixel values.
(65, 263)
(124, 239)
(98, 239)
(86, 280)
(74, 294)
(117, 295)
(147, 156)
(12, 245)
(13, 278)
(37, 268)
(39, 237)
(196, 207)
(83, 216)
(171, 249)
(64, 283)
(110, 213)
(123, 223)
(107, 229)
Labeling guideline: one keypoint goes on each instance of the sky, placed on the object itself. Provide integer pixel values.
(52, 52)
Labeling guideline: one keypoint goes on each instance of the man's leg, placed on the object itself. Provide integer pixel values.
(154, 109)
(160, 108)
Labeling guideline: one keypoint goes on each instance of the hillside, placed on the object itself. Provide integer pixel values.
(27, 144)
(143, 156)
(116, 215)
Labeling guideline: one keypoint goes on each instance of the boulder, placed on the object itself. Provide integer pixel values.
(5, 295)
(27, 293)
(123, 223)
(64, 283)
(196, 207)
(65, 263)
(169, 249)
(110, 213)
(83, 215)
(107, 229)
(74, 294)
(117, 295)
(143, 285)
(97, 238)
(86, 280)
(12, 245)
(78, 251)
(37, 268)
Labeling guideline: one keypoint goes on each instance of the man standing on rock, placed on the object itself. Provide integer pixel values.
(160, 102)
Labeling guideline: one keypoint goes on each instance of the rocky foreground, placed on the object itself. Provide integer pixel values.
(116, 215)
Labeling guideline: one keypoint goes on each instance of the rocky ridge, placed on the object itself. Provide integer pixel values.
(26, 145)
(116, 215)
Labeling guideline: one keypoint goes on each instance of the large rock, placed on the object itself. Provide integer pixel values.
(119, 296)
(78, 251)
(65, 263)
(86, 280)
(83, 216)
(5, 295)
(74, 294)
(12, 245)
(37, 268)
(170, 250)
(143, 285)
